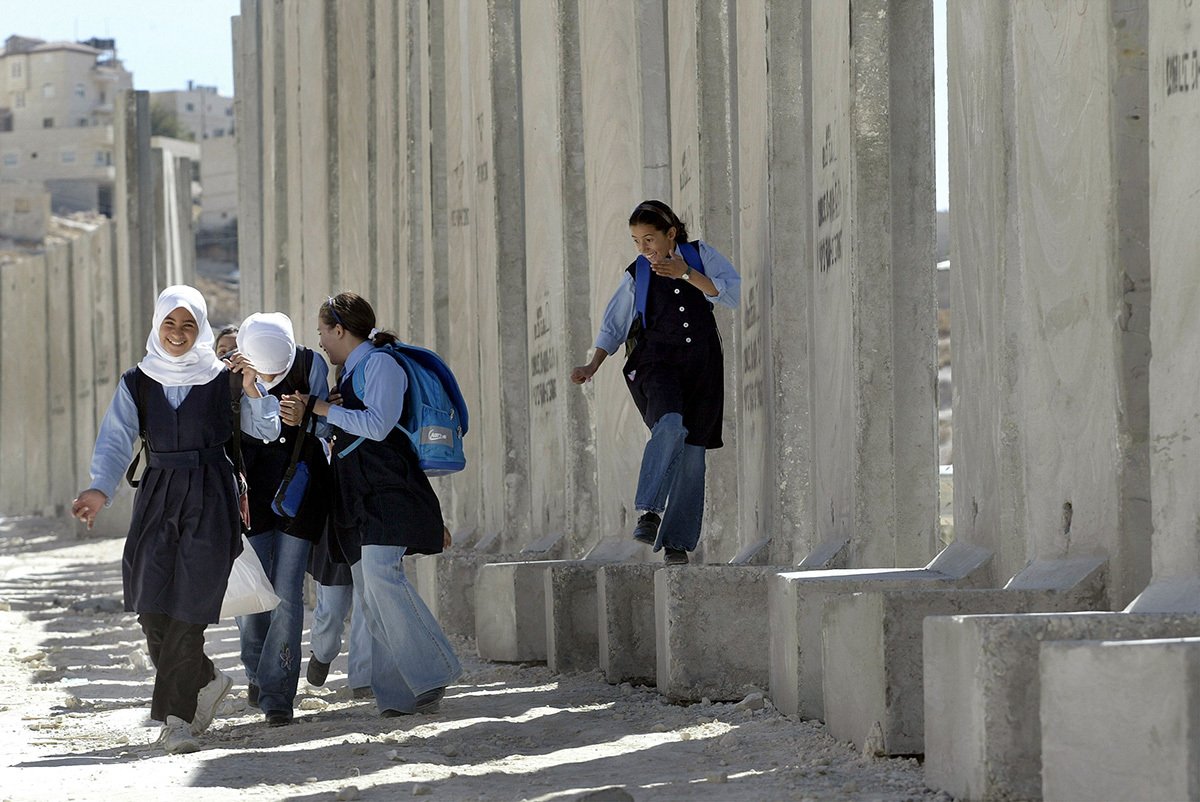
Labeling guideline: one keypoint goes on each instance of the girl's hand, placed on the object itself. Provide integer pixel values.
(669, 266)
(447, 541)
(238, 363)
(244, 509)
(335, 398)
(583, 373)
(291, 408)
(87, 506)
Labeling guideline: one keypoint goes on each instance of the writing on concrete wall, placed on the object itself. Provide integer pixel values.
(543, 361)
(685, 167)
(1183, 72)
(829, 207)
(460, 217)
(752, 372)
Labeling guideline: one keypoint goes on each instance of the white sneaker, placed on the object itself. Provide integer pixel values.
(207, 700)
(176, 737)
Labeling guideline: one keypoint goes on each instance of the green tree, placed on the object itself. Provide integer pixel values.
(165, 122)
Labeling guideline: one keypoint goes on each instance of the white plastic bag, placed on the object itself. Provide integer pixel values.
(249, 590)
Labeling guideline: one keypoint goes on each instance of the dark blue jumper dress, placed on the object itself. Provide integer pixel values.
(381, 495)
(186, 528)
(677, 364)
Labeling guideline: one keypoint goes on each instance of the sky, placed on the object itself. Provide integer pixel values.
(166, 43)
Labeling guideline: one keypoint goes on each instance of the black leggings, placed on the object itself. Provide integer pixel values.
(182, 668)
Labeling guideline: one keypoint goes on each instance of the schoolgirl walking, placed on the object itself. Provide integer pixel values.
(185, 531)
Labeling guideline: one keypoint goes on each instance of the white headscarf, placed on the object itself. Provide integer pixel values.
(267, 340)
(200, 364)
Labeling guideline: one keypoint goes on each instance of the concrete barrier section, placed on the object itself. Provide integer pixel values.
(572, 641)
(796, 605)
(626, 640)
(446, 582)
(873, 655)
(711, 631)
(1119, 719)
(983, 693)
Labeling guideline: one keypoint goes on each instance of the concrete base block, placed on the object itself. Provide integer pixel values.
(510, 611)
(446, 583)
(549, 547)
(873, 655)
(1119, 720)
(796, 604)
(572, 638)
(710, 634)
(1178, 595)
(983, 693)
(626, 627)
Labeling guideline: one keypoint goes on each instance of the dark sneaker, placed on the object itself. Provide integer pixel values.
(674, 556)
(252, 695)
(317, 671)
(279, 719)
(646, 530)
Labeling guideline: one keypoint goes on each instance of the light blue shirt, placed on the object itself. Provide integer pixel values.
(618, 316)
(384, 384)
(119, 431)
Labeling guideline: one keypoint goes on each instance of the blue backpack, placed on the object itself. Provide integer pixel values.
(435, 414)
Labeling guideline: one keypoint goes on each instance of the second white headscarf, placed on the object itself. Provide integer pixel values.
(268, 341)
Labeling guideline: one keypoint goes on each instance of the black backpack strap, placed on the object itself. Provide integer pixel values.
(139, 399)
(297, 377)
(235, 440)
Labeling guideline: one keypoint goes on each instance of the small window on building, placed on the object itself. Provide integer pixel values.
(68, 157)
(12, 159)
(103, 96)
(190, 107)
(220, 132)
(47, 90)
(17, 69)
(80, 91)
(83, 123)
(47, 122)
(18, 100)
(103, 158)
(229, 111)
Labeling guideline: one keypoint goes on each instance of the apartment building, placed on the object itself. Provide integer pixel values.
(56, 116)
(208, 117)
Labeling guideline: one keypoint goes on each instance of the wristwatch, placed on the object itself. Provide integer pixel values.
(687, 274)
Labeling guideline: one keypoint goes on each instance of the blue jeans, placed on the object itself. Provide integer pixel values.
(671, 483)
(409, 652)
(329, 618)
(271, 641)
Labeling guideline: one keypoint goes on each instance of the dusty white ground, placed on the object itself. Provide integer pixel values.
(74, 696)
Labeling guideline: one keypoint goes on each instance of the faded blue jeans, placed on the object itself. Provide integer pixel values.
(329, 619)
(671, 483)
(409, 652)
(271, 641)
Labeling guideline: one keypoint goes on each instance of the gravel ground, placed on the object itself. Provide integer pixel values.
(74, 696)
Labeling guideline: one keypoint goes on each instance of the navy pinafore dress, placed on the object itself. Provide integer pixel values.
(186, 528)
(381, 495)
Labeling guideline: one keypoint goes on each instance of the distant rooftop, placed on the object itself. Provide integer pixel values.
(26, 44)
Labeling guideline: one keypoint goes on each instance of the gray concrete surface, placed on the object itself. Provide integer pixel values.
(572, 636)
(796, 607)
(1119, 720)
(871, 645)
(701, 650)
(626, 637)
(983, 693)
(1175, 557)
